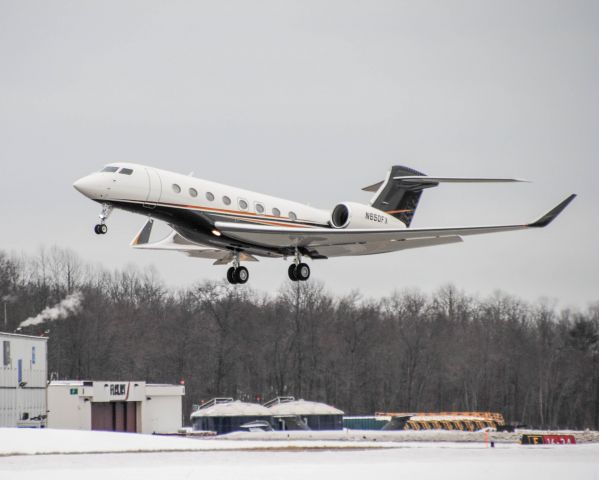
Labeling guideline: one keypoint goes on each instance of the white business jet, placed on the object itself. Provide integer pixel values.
(230, 225)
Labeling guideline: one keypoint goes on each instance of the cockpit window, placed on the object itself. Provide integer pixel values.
(126, 171)
(109, 169)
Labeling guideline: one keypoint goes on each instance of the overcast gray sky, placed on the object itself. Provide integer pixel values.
(311, 101)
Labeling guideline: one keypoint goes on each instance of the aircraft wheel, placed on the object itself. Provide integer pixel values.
(241, 275)
(103, 228)
(302, 272)
(292, 273)
(231, 275)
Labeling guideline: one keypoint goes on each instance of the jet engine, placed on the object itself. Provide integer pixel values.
(356, 215)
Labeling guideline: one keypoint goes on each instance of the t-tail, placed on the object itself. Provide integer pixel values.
(398, 195)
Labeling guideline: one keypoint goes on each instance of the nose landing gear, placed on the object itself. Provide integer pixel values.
(101, 228)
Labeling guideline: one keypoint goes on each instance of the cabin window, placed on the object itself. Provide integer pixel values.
(226, 200)
(259, 208)
(276, 212)
(176, 188)
(109, 169)
(126, 171)
(193, 192)
(243, 204)
(292, 216)
(210, 196)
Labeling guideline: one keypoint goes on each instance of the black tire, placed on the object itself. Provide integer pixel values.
(241, 275)
(302, 272)
(292, 273)
(97, 229)
(103, 228)
(231, 275)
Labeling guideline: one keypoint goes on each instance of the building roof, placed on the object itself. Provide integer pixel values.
(302, 407)
(21, 335)
(232, 408)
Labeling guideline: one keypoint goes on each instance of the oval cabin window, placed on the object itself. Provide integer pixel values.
(193, 192)
(176, 188)
(210, 196)
(226, 200)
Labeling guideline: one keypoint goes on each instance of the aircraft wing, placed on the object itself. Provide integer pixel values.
(176, 242)
(330, 242)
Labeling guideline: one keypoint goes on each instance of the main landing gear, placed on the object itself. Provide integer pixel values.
(101, 228)
(237, 274)
(298, 271)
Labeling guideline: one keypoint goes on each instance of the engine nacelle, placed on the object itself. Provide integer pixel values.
(356, 215)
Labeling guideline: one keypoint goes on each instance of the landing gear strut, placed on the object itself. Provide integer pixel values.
(298, 271)
(237, 274)
(101, 228)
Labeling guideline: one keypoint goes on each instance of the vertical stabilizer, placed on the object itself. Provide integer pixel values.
(399, 198)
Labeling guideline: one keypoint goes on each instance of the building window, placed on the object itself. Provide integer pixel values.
(226, 200)
(259, 208)
(6, 353)
(176, 188)
(210, 196)
(193, 192)
(276, 212)
(243, 204)
(33, 355)
(292, 216)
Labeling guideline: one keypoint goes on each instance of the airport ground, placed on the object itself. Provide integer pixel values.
(25, 455)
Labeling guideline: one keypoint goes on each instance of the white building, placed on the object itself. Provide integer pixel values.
(115, 406)
(23, 379)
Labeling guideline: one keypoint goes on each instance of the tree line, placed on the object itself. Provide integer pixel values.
(409, 352)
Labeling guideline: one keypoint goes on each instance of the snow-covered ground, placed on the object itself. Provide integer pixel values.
(30, 441)
(222, 459)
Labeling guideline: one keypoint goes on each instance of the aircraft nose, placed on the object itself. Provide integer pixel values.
(87, 186)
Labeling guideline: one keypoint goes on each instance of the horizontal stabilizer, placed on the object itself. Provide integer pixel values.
(433, 181)
(417, 179)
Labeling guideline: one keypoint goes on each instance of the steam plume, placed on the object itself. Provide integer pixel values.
(71, 304)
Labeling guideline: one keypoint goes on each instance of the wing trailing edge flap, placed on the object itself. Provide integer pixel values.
(372, 248)
(176, 242)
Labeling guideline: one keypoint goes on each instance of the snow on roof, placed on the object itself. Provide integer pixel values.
(302, 407)
(22, 335)
(235, 408)
(73, 383)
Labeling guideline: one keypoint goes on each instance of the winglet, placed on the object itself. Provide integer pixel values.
(553, 213)
(143, 236)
